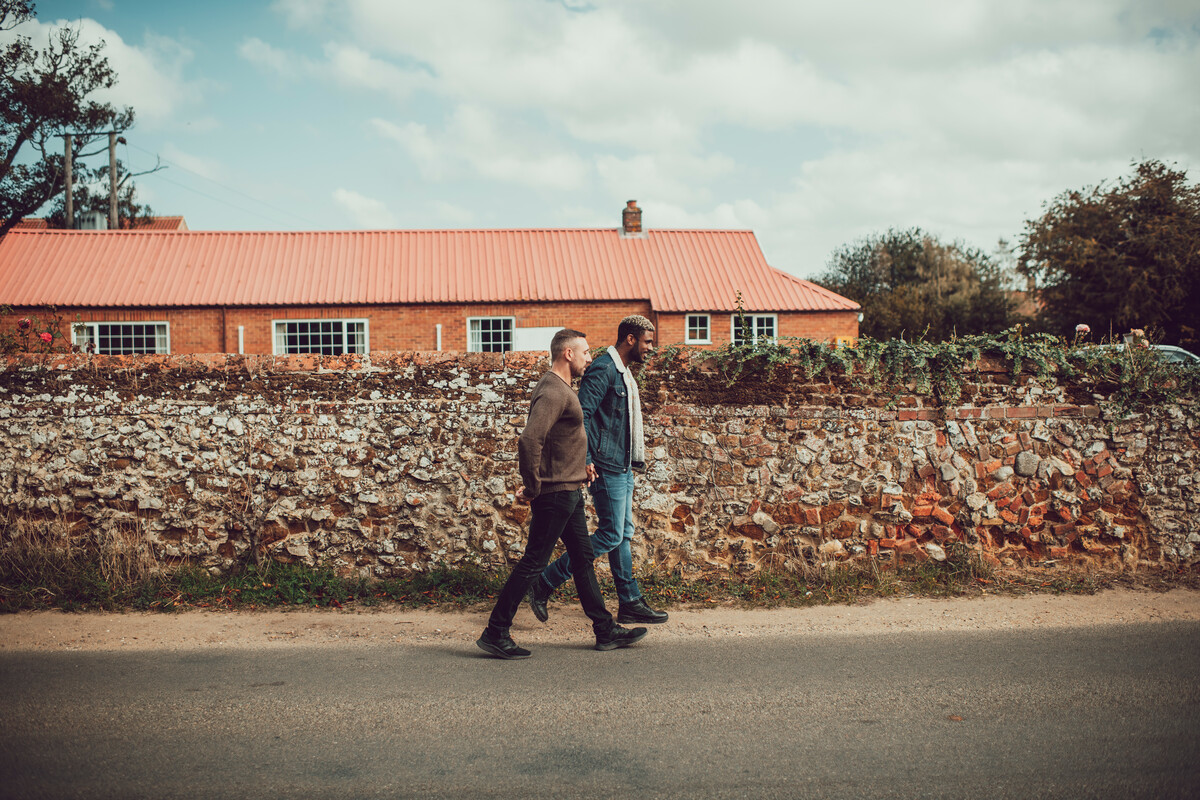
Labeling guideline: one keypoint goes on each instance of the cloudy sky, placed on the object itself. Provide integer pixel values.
(812, 124)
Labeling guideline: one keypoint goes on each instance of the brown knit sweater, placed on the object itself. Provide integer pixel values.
(552, 450)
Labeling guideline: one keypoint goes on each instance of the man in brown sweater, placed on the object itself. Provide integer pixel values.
(551, 455)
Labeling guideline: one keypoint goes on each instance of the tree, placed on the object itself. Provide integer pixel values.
(1121, 257)
(43, 94)
(910, 284)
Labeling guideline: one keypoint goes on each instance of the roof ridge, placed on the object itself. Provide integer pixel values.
(364, 231)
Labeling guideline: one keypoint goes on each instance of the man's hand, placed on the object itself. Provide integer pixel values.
(521, 498)
(591, 475)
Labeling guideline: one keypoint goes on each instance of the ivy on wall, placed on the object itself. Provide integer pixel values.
(1135, 376)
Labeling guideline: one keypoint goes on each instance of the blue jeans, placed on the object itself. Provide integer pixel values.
(612, 492)
(554, 516)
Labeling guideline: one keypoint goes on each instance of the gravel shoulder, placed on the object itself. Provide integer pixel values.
(198, 629)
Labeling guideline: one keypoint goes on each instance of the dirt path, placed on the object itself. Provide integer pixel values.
(53, 630)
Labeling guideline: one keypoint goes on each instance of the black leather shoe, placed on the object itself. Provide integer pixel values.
(619, 637)
(538, 595)
(503, 647)
(638, 611)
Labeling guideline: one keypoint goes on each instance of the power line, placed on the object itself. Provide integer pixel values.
(219, 200)
(223, 186)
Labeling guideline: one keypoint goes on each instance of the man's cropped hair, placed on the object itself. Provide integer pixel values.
(633, 326)
(560, 341)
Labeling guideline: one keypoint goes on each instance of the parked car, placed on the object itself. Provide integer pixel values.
(1177, 355)
(1167, 352)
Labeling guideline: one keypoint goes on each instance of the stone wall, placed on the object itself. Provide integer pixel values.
(395, 462)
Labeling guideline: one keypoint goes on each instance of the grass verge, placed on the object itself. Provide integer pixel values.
(273, 586)
(41, 570)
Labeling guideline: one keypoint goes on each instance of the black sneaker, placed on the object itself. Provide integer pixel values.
(638, 611)
(538, 595)
(502, 647)
(619, 637)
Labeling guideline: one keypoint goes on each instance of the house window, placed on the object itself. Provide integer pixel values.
(325, 337)
(490, 334)
(122, 338)
(761, 326)
(698, 329)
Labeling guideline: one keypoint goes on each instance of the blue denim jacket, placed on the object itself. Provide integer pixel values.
(605, 402)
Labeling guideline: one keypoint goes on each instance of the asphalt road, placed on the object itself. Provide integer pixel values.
(1090, 712)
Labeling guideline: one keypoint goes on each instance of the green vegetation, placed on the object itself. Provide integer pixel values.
(1119, 256)
(1134, 378)
(911, 285)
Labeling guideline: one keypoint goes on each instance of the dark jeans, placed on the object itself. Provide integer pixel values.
(555, 515)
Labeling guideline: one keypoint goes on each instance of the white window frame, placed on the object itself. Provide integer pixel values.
(687, 329)
(753, 319)
(162, 340)
(475, 342)
(279, 348)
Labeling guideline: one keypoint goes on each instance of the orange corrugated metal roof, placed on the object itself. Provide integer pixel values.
(151, 224)
(676, 270)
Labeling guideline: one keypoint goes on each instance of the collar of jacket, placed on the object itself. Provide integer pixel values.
(617, 361)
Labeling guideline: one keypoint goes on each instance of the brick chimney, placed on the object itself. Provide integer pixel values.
(631, 220)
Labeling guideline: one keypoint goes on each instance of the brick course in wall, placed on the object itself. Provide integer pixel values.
(414, 327)
(398, 461)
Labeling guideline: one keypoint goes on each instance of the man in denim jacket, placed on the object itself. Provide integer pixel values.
(612, 417)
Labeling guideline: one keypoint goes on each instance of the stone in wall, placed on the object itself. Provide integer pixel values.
(397, 462)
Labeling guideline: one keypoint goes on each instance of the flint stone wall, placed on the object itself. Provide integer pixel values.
(396, 462)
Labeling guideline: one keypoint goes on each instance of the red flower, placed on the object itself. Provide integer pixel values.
(23, 324)
(46, 337)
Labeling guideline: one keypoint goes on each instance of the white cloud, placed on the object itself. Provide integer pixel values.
(655, 78)
(258, 52)
(365, 212)
(150, 77)
(595, 73)
(355, 67)
(473, 143)
(348, 65)
(669, 177)
(302, 13)
(738, 215)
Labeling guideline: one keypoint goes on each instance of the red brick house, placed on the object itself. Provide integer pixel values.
(330, 292)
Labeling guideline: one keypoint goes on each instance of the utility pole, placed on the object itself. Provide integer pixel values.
(70, 199)
(112, 182)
